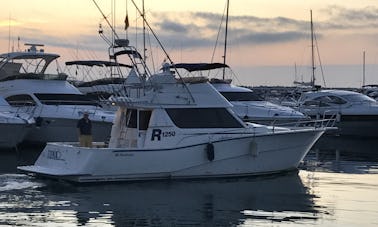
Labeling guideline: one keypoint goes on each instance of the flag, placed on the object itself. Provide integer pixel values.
(126, 22)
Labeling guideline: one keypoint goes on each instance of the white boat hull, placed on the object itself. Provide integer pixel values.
(253, 155)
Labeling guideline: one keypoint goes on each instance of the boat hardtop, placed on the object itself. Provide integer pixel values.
(32, 62)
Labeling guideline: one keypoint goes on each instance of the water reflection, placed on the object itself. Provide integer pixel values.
(343, 154)
(347, 148)
(194, 203)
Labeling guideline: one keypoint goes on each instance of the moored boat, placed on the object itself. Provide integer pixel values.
(53, 103)
(177, 129)
(357, 114)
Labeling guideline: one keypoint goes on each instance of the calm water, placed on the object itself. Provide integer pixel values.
(331, 189)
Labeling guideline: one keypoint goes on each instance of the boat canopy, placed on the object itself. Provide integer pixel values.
(192, 67)
(100, 63)
(103, 81)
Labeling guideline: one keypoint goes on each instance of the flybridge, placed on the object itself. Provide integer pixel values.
(33, 47)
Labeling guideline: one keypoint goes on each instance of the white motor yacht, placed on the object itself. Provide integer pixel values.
(14, 125)
(246, 104)
(173, 129)
(55, 104)
(357, 113)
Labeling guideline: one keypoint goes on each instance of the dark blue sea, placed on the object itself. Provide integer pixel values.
(337, 185)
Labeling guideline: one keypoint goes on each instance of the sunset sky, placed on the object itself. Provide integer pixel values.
(265, 38)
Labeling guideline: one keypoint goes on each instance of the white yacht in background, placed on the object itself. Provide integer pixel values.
(357, 113)
(246, 104)
(55, 104)
(14, 125)
(176, 128)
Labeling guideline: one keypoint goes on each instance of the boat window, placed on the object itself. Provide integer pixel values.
(330, 100)
(65, 99)
(144, 118)
(203, 118)
(358, 98)
(311, 103)
(241, 96)
(336, 100)
(20, 100)
(131, 118)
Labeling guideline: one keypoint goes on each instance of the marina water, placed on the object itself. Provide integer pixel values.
(336, 186)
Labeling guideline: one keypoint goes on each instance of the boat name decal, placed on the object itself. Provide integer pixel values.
(123, 155)
(54, 154)
(158, 133)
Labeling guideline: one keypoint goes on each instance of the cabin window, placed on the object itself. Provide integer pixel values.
(336, 100)
(144, 119)
(329, 100)
(65, 99)
(203, 118)
(20, 100)
(241, 96)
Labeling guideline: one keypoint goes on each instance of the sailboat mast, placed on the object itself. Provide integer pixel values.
(225, 40)
(312, 52)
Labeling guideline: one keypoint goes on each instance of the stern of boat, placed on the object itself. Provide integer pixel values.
(64, 159)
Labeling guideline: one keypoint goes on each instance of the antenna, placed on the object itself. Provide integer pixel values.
(9, 32)
(312, 52)
(363, 68)
(144, 32)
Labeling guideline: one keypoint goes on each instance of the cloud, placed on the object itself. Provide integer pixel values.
(347, 19)
(171, 26)
(191, 30)
(200, 29)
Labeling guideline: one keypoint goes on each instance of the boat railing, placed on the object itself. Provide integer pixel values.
(36, 76)
(325, 121)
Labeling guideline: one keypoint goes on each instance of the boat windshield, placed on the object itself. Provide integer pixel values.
(358, 98)
(65, 99)
(203, 118)
(241, 96)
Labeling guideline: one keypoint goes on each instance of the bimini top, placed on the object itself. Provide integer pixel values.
(192, 67)
(99, 63)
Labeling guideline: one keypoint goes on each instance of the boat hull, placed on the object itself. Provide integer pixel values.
(250, 155)
(13, 134)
